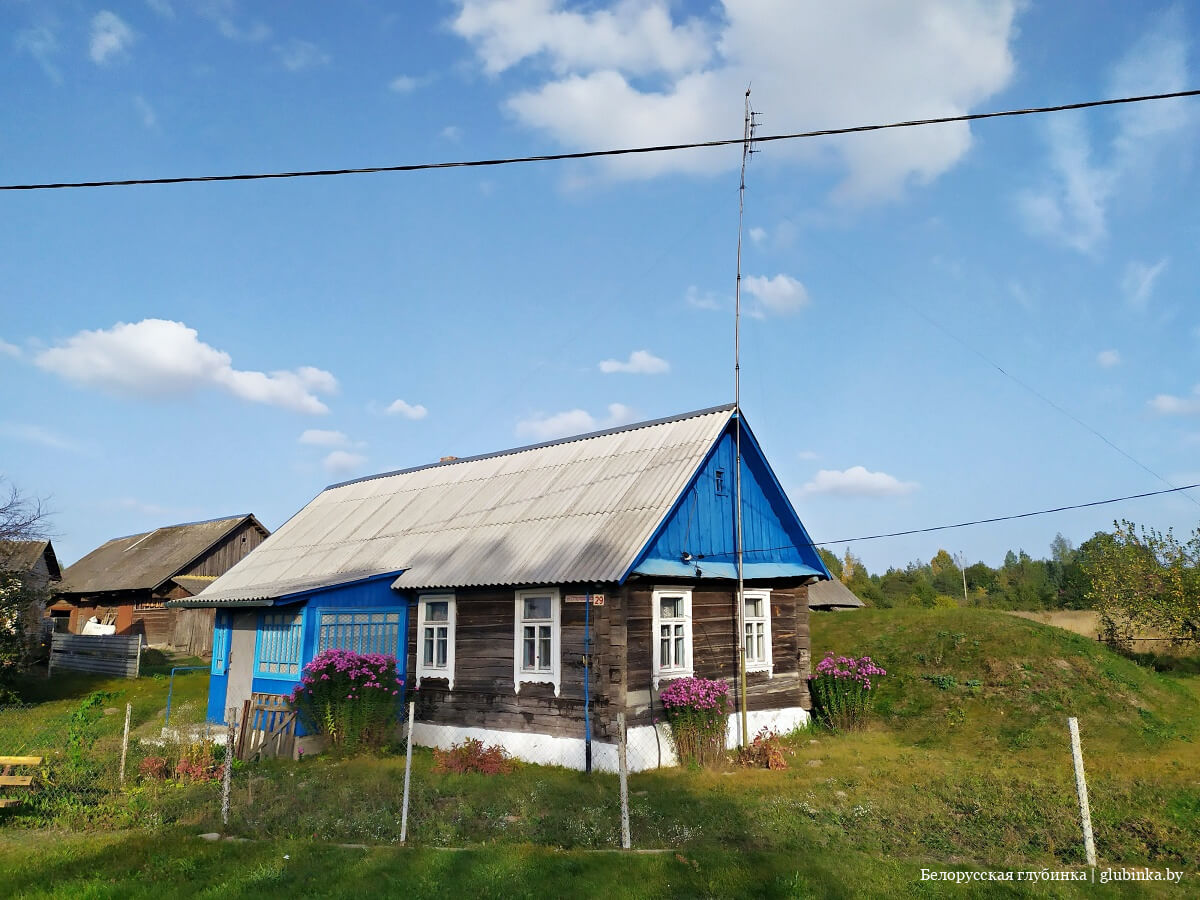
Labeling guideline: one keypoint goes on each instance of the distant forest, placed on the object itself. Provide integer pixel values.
(1061, 581)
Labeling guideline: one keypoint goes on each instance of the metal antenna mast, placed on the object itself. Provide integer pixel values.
(739, 600)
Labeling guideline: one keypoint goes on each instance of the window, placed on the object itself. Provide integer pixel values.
(536, 654)
(220, 648)
(360, 630)
(435, 638)
(719, 478)
(757, 622)
(278, 649)
(671, 633)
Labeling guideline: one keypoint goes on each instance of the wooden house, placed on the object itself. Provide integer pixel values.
(127, 581)
(36, 564)
(532, 594)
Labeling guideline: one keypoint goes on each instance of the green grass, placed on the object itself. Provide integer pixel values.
(966, 763)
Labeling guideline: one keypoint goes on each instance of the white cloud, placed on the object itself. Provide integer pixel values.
(110, 37)
(408, 410)
(807, 455)
(701, 301)
(406, 84)
(574, 421)
(858, 481)
(758, 235)
(297, 55)
(42, 44)
(162, 7)
(36, 434)
(640, 362)
(1170, 405)
(633, 74)
(342, 462)
(159, 358)
(452, 133)
(1137, 284)
(319, 437)
(223, 13)
(146, 111)
(776, 296)
(1108, 358)
(7, 349)
(1071, 206)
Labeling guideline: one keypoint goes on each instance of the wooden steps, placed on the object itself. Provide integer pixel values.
(8, 780)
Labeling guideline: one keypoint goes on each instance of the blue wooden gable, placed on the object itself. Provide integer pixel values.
(696, 540)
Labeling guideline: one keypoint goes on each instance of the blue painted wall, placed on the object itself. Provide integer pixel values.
(374, 593)
(702, 523)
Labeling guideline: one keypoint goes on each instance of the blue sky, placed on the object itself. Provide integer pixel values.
(182, 352)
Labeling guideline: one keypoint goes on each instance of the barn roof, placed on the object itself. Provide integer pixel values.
(832, 594)
(578, 509)
(144, 561)
(22, 556)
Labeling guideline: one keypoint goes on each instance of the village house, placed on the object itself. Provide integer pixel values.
(35, 563)
(534, 593)
(127, 581)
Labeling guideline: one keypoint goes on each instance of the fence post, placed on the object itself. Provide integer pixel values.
(623, 767)
(1085, 813)
(227, 779)
(412, 709)
(125, 739)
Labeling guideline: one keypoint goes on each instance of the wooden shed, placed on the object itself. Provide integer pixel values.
(36, 564)
(533, 593)
(127, 581)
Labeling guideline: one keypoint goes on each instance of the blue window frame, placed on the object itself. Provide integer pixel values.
(220, 649)
(280, 639)
(361, 630)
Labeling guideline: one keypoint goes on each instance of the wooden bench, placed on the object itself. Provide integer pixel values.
(9, 781)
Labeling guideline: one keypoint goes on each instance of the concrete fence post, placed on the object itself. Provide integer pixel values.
(227, 775)
(1085, 813)
(623, 769)
(412, 709)
(125, 739)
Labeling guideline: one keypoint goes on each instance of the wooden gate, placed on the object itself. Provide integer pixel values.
(268, 728)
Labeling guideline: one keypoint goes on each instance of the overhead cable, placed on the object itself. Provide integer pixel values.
(593, 154)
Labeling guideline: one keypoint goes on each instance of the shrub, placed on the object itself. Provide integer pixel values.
(841, 690)
(350, 697)
(198, 762)
(473, 756)
(154, 768)
(764, 752)
(697, 710)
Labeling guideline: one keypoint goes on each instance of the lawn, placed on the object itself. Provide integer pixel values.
(965, 764)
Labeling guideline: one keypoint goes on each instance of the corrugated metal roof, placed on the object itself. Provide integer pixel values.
(828, 594)
(144, 561)
(579, 509)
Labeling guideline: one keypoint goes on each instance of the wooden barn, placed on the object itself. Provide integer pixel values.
(127, 581)
(532, 594)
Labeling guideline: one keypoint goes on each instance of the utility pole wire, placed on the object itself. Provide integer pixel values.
(593, 154)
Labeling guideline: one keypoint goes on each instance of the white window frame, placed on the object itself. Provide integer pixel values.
(759, 665)
(436, 671)
(659, 672)
(554, 674)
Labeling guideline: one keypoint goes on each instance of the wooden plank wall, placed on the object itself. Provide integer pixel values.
(193, 631)
(101, 654)
(221, 558)
(714, 649)
(484, 695)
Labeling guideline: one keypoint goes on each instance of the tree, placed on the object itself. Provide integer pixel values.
(1142, 578)
(21, 519)
(832, 563)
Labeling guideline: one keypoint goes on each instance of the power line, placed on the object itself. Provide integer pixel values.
(989, 521)
(593, 154)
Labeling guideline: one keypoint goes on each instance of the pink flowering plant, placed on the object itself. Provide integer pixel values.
(841, 690)
(353, 698)
(697, 710)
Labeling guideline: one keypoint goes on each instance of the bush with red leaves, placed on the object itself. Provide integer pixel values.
(473, 756)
